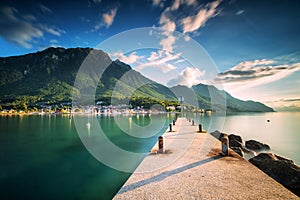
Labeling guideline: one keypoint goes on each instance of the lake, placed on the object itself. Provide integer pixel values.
(280, 130)
(44, 157)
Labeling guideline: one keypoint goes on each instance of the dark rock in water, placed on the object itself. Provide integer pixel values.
(281, 169)
(235, 137)
(218, 135)
(238, 150)
(235, 143)
(248, 151)
(256, 146)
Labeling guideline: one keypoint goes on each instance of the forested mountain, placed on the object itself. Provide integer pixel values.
(49, 76)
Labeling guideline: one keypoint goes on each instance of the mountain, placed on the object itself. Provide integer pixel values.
(49, 76)
(209, 97)
(58, 74)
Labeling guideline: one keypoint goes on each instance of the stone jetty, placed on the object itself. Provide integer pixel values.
(191, 167)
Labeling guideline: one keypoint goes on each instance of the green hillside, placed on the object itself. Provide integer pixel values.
(207, 92)
(48, 76)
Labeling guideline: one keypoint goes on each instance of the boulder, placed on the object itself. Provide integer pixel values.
(235, 137)
(218, 135)
(235, 143)
(238, 150)
(256, 146)
(283, 170)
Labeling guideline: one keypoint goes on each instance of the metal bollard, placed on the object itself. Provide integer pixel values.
(189, 120)
(170, 127)
(193, 122)
(225, 145)
(173, 122)
(160, 144)
(200, 128)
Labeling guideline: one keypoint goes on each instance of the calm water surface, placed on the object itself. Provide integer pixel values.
(42, 157)
(282, 132)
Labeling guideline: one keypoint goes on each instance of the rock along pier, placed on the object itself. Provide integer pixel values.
(191, 167)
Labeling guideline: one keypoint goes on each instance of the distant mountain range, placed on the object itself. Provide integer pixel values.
(49, 75)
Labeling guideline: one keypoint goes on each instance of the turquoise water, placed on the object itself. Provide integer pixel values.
(42, 157)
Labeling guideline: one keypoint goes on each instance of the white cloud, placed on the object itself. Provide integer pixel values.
(156, 2)
(163, 67)
(175, 5)
(190, 2)
(162, 56)
(29, 17)
(159, 60)
(240, 12)
(109, 17)
(130, 59)
(172, 17)
(292, 104)
(53, 41)
(159, 3)
(246, 76)
(52, 30)
(248, 71)
(169, 27)
(193, 23)
(187, 38)
(189, 76)
(253, 63)
(167, 24)
(155, 55)
(179, 61)
(168, 42)
(16, 29)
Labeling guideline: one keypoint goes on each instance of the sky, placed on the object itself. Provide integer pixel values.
(250, 48)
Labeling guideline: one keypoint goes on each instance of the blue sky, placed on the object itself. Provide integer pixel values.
(254, 44)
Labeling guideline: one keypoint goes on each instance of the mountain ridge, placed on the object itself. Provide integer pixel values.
(49, 76)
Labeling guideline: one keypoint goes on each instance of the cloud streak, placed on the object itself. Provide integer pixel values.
(20, 31)
(257, 70)
(177, 15)
(193, 23)
(285, 104)
(248, 79)
(45, 9)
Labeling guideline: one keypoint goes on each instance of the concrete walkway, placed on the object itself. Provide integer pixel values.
(191, 168)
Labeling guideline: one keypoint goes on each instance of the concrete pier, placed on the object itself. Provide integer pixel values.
(183, 172)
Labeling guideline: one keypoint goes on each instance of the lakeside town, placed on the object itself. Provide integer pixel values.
(66, 108)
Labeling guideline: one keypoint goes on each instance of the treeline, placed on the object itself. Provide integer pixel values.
(33, 103)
